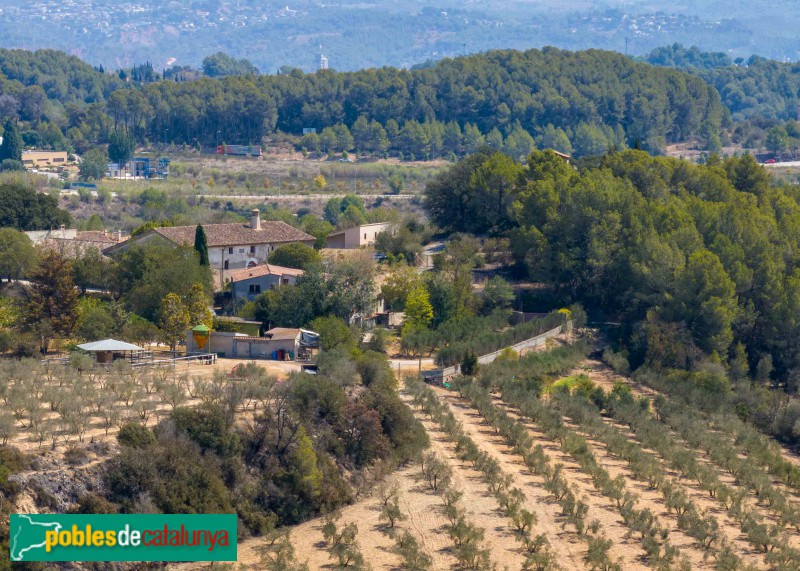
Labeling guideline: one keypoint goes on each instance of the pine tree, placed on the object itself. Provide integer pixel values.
(174, 320)
(52, 301)
(197, 306)
(201, 244)
(12, 142)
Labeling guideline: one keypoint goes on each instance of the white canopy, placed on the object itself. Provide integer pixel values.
(109, 345)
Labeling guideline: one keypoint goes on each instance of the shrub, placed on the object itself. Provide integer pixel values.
(134, 435)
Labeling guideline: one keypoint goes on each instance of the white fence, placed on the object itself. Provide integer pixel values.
(442, 375)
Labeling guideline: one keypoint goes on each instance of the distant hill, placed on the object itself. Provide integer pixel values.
(585, 101)
(753, 88)
(356, 35)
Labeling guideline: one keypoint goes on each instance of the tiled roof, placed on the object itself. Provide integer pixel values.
(262, 270)
(237, 234)
(282, 333)
(95, 236)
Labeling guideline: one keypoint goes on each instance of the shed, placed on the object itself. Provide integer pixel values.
(105, 350)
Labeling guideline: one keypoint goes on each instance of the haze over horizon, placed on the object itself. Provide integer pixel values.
(378, 33)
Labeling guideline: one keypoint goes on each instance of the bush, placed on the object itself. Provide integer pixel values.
(209, 426)
(134, 435)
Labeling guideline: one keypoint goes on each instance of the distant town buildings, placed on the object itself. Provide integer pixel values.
(322, 62)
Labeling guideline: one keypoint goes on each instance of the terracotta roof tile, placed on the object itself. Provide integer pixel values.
(262, 270)
(95, 236)
(237, 234)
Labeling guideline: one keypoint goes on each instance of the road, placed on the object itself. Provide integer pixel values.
(782, 165)
(326, 196)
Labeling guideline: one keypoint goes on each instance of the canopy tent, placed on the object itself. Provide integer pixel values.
(105, 349)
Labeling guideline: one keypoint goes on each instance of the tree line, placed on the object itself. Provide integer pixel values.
(697, 261)
(542, 93)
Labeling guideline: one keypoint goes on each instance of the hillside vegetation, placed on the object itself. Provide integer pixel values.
(583, 101)
(698, 262)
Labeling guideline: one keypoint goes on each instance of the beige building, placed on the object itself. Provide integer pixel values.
(357, 236)
(44, 158)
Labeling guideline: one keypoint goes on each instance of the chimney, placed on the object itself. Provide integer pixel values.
(255, 219)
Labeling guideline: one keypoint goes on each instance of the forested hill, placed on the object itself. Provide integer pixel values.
(590, 100)
(756, 88)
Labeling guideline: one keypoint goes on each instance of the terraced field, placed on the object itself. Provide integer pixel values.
(513, 480)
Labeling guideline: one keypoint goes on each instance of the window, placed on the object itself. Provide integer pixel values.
(285, 281)
(230, 250)
(252, 249)
(365, 235)
(241, 250)
(226, 264)
(255, 288)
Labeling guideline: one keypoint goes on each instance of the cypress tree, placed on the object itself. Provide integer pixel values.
(201, 244)
(12, 142)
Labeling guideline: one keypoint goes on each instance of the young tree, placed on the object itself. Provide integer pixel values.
(51, 306)
(497, 294)
(174, 320)
(201, 245)
(17, 254)
(418, 309)
(198, 308)
(401, 281)
(94, 165)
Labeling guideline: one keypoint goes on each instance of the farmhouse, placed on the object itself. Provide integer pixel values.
(230, 246)
(248, 283)
(357, 236)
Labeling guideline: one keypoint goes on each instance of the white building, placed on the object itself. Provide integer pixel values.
(230, 246)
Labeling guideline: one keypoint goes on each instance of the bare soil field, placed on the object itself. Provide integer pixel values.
(425, 517)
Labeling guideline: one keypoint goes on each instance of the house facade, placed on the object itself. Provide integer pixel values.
(249, 283)
(230, 246)
(357, 236)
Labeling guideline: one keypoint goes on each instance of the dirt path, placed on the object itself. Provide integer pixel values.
(477, 500)
(424, 521)
(653, 499)
(629, 550)
(604, 376)
(647, 498)
(566, 544)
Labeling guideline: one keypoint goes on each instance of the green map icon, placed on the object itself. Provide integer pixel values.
(29, 535)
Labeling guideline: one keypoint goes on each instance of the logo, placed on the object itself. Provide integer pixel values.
(123, 537)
